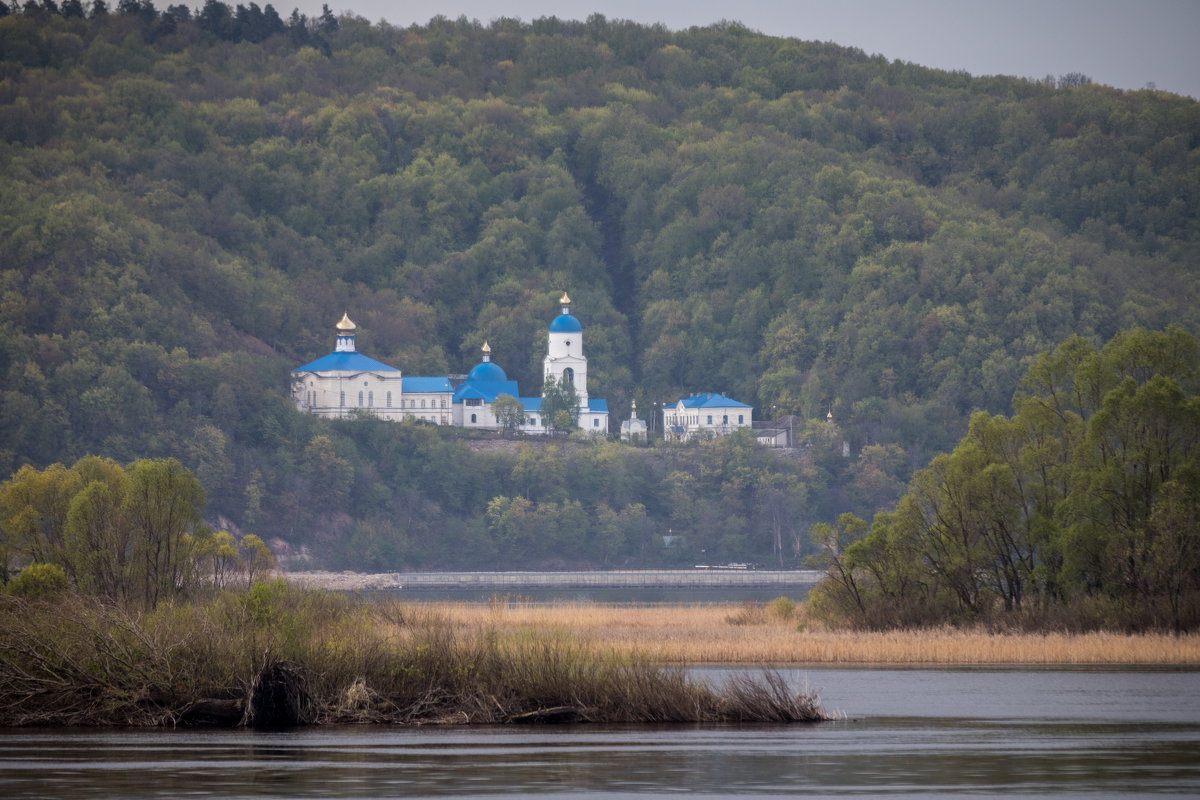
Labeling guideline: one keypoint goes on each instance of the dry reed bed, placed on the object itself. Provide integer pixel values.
(752, 635)
(278, 654)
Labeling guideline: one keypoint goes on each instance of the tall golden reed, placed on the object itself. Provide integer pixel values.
(741, 634)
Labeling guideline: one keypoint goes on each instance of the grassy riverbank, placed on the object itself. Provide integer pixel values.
(280, 652)
(762, 634)
(324, 657)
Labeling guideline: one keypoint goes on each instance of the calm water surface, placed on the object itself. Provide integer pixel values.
(608, 595)
(983, 732)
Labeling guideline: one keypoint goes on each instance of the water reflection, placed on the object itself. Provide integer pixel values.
(916, 732)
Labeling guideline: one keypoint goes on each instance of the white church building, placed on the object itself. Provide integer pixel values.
(704, 415)
(346, 382)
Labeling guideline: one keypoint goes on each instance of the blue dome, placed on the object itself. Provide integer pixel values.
(486, 371)
(565, 323)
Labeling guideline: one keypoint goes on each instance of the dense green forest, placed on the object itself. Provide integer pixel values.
(1079, 510)
(190, 199)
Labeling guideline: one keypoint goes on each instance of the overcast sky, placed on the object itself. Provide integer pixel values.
(1123, 43)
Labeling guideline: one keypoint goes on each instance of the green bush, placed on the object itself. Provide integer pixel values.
(782, 608)
(38, 581)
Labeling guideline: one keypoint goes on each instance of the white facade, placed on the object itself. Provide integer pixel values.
(565, 361)
(633, 429)
(772, 437)
(705, 415)
(564, 352)
(346, 382)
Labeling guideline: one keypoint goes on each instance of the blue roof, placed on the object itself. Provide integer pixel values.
(485, 390)
(349, 361)
(708, 400)
(596, 406)
(487, 371)
(419, 385)
(467, 392)
(565, 323)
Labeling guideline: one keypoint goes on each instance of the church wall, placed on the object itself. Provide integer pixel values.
(337, 395)
(433, 407)
(713, 421)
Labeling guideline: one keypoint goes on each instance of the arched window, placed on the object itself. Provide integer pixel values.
(360, 398)
(371, 399)
(568, 377)
(472, 419)
(741, 419)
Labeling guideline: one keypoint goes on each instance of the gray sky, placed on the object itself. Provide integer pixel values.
(1123, 43)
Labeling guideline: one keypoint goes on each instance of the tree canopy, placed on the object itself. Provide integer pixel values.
(1085, 497)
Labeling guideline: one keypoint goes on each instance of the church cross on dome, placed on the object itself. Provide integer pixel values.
(345, 334)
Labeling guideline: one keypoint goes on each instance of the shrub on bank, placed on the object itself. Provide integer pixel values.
(332, 658)
(782, 608)
(38, 580)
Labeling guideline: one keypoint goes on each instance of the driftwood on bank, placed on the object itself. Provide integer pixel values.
(278, 699)
(213, 712)
(543, 716)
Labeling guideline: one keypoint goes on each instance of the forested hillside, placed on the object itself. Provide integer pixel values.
(190, 200)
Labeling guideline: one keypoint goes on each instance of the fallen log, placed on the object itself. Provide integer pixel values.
(554, 715)
(213, 712)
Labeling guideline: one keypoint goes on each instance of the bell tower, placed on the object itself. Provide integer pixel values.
(564, 352)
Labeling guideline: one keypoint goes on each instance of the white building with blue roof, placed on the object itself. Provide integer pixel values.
(346, 382)
(336, 384)
(567, 365)
(704, 415)
(473, 399)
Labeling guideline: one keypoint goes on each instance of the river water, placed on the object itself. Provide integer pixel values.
(606, 595)
(916, 733)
